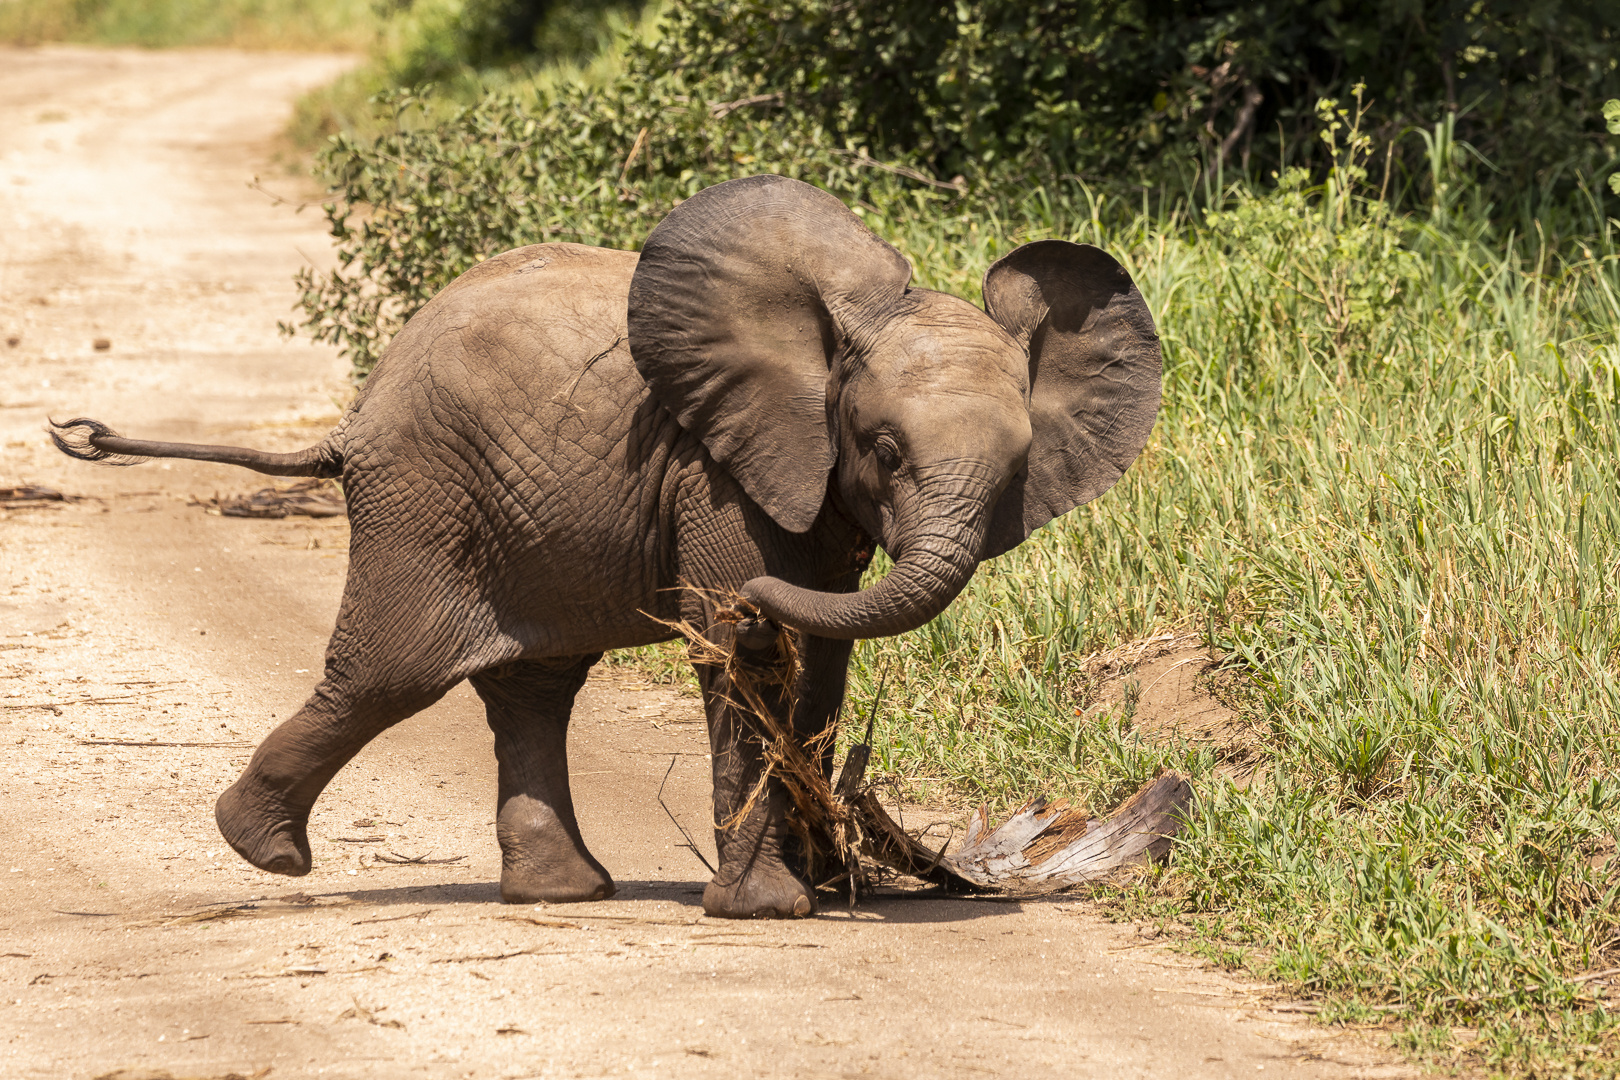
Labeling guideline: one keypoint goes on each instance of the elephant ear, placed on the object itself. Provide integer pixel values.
(1094, 374)
(740, 302)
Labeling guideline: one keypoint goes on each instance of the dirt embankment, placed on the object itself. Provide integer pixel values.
(146, 645)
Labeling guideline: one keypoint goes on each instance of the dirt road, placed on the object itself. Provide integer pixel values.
(146, 645)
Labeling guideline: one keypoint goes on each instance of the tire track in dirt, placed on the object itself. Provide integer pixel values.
(133, 939)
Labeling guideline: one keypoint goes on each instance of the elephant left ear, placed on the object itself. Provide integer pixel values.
(737, 310)
(1094, 371)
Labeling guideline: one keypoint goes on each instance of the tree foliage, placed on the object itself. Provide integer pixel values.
(429, 198)
(1106, 86)
(445, 40)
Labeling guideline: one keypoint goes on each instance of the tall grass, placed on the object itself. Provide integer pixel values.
(1386, 482)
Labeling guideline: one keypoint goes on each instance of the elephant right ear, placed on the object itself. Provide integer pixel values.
(740, 302)
(1094, 378)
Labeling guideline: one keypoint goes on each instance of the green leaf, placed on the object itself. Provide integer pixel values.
(1611, 113)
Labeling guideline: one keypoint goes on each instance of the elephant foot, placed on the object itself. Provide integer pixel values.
(544, 864)
(554, 885)
(270, 837)
(763, 892)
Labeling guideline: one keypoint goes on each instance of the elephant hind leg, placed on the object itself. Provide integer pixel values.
(384, 664)
(265, 814)
(543, 856)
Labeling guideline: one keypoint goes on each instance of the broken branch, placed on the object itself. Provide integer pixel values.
(134, 742)
(421, 860)
(690, 845)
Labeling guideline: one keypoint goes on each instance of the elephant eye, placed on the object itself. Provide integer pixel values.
(888, 454)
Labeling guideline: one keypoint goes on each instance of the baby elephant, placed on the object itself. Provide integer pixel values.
(570, 449)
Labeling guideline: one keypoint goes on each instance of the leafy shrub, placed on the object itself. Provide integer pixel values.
(878, 103)
(423, 202)
(450, 41)
(1106, 88)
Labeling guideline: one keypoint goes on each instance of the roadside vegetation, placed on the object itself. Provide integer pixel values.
(1385, 483)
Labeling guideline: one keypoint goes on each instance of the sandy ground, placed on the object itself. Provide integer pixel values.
(146, 645)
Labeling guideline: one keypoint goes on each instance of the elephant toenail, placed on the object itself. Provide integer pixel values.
(801, 906)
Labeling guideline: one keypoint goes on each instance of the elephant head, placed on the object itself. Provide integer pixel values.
(786, 336)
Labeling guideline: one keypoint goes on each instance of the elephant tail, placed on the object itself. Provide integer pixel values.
(91, 440)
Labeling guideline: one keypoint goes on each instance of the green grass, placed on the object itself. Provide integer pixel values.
(325, 25)
(1386, 482)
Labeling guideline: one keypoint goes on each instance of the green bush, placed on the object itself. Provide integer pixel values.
(456, 52)
(1111, 89)
(429, 198)
(880, 103)
(446, 41)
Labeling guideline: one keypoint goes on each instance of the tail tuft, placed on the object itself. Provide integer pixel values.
(77, 439)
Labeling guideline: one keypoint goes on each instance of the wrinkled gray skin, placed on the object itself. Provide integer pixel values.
(570, 444)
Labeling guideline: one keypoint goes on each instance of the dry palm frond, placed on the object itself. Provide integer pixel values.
(1041, 848)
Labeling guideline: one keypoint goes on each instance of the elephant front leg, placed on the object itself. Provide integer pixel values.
(754, 879)
(543, 855)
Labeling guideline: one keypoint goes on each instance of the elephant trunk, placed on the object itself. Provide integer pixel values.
(932, 564)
